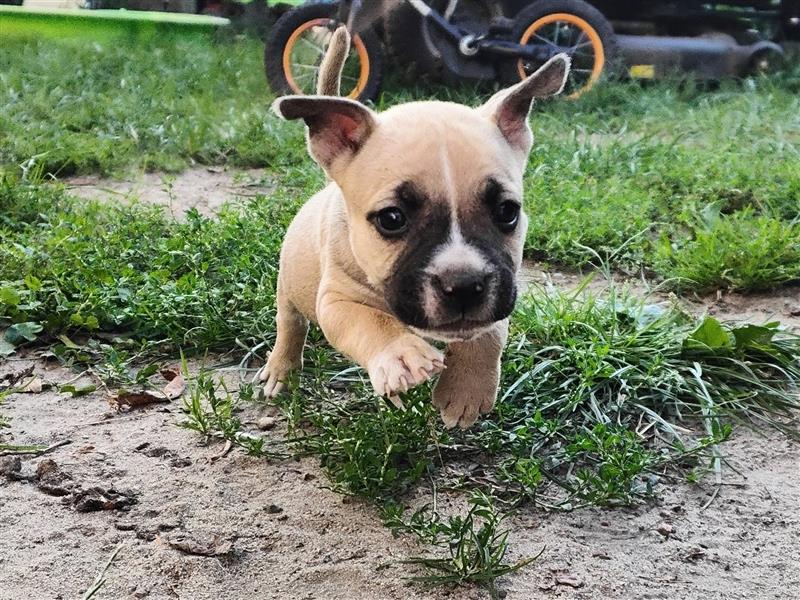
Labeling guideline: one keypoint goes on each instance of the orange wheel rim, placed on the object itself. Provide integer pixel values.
(358, 44)
(593, 38)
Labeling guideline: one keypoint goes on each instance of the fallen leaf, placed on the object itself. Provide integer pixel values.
(10, 380)
(19, 333)
(169, 374)
(198, 544)
(77, 391)
(52, 480)
(68, 342)
(32, 385)
(175, 388)
(135, 399)
(6, 349)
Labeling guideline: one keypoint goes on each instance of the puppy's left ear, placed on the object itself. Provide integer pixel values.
(337, 127)
(509, 108)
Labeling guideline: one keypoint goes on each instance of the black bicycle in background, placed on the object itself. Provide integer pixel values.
(505, 40)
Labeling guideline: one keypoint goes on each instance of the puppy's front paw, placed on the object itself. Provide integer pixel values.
(275, 374)
(404, 363)
(461, 398)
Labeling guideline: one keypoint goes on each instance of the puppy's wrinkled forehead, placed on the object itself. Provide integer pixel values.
(448, 151)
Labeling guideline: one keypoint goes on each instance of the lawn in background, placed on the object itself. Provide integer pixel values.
(697, 185)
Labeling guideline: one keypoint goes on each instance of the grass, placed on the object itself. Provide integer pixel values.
(85, 108)
(603, 400)
(695, 170)
(68, 266)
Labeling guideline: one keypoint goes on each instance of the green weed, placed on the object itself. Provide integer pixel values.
(600, 394)
(476, 544)
(367, 448)
(211, 411)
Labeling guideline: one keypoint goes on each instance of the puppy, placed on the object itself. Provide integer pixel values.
(418, 237)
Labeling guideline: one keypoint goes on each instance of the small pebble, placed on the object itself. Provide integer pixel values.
(665, 529)
(266, 423)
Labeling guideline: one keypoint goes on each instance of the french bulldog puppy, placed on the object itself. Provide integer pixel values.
(418, 237)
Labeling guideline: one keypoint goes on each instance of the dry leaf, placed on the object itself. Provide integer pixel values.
(9, 380)
(199, 544)
(175, 388)
(30, 386)
(136, 399)
(170, 374)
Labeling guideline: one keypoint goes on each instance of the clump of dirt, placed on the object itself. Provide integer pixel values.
(52, 480)
(99, 498)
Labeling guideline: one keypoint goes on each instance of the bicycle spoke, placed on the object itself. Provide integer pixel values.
(319, 49)
(545, 40)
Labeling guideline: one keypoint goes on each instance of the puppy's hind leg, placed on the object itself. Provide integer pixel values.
(287, 355)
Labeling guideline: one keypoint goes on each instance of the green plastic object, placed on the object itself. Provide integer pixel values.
(102, 25)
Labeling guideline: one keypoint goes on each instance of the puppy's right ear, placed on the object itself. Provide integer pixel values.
(337, 127)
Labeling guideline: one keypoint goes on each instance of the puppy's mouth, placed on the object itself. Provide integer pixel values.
(460, 325)
(459, 330)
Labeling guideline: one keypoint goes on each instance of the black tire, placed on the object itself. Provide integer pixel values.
(583, 15)
(290, 22)
(411, 39)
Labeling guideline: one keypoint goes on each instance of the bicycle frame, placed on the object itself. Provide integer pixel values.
(467, 43)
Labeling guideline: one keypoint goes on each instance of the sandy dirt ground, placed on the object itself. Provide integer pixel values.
(202, 527)
(205, 188)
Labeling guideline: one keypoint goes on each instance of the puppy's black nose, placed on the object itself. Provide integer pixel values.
(463, 290)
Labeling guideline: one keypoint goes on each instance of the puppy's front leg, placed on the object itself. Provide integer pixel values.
(395, 358)
(469, 385)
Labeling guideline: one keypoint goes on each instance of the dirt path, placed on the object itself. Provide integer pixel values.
(290, 537)
(205, 188)
(279, 533)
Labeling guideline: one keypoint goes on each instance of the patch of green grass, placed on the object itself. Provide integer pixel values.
(599, 394)
(741, 250)
(625, 161)
(89, 107)
(71, 265)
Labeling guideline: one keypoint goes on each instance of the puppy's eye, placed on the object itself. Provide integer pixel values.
(506, 215)
(391, 221)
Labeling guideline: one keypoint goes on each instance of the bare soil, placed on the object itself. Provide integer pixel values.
(210, 527)
(206, 189)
